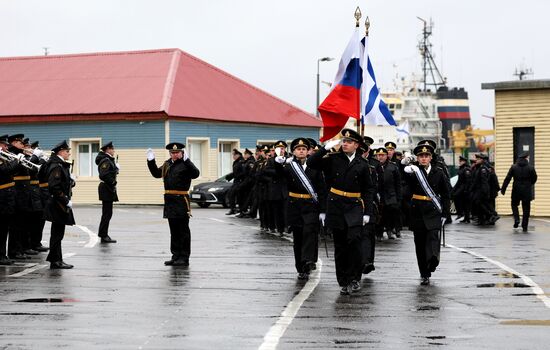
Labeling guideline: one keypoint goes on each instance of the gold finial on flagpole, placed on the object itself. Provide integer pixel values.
(367, 26)
(357, 16)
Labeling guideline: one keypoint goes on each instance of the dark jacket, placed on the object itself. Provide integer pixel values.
(351, 177)
(24, 199)
(424, 214)
(237, 175)
(301, 211)
(480, 188)
(60, 187)
(107, 174)
(7, 188)
(389, 184)
(525, 177)
(177, 176)
(462, 186)
(276, 182)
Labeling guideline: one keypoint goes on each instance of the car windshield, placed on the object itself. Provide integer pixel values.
(222, 179)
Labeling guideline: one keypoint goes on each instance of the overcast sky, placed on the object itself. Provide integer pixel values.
(275, 44)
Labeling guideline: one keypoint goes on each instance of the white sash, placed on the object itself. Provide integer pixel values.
(301, 174)
(426, 187)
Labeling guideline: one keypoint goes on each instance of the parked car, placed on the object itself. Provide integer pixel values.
(207, 193)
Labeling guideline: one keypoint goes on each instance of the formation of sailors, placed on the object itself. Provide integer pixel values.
(359, 195)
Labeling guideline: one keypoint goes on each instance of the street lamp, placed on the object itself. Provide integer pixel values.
(324, 59)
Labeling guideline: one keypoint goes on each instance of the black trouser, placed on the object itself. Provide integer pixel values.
(180, 238)
(526, 208)
(233, 194)
(391, 219)
(306, 244)
(484, 211)
(4, 230)
(368, 242)
(347, 254)
(36, 230)
(427, 247)
(19, 233)
(106, 215)
(466, 206)
(264, 213)
(277, 215)
(56, 236)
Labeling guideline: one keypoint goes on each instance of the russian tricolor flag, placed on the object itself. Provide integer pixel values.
(349, 96)
(343, 101)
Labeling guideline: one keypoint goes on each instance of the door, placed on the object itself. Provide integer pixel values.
(524, 141)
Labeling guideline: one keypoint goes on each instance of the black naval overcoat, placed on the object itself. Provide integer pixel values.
(343, 175)
(7, 192)
(107, 174)
(424, 214)
(60, 188)
(300, 211)
(177, 176)
(389, 183)
(524, 176)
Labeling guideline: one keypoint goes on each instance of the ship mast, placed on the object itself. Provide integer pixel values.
(429, 68)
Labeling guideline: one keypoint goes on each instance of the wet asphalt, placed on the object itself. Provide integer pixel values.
(491, 291)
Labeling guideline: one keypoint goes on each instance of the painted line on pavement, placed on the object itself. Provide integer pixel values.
(537, 290)
(36, 267)
(93, 237)
(276, 332)
(543, 220)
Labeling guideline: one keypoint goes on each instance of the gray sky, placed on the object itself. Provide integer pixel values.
(275, 44)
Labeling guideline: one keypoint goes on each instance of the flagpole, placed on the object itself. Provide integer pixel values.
(358, 123)
(367, 26)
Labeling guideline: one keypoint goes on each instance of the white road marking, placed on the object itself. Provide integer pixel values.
(271, 339)
(543, 220)
(93, 237)
(122, 210)
(537, 290)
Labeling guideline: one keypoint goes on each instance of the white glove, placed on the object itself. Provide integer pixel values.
(117, 166)
(185, 155)
(366, 219)
(70, 204)
(280, 159)
(20, 157)
(150, 154)
(73, 177)
(332, 144)
(38, 152)
(322, 217)
(408, 169)
(288, 160)
(278, 151)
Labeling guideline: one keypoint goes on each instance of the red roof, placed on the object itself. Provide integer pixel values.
(169, 81)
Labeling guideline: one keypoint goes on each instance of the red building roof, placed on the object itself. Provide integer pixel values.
(168, 81)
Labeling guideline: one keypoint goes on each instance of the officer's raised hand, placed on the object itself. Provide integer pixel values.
(150, 154)
(331, 144)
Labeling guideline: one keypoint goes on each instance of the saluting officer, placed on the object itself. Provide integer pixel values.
(58, 209)
(429, 208)
(7, 199)
(349, 204)
(177, 173)
(525, 177)
(306, 203)
(108, 170)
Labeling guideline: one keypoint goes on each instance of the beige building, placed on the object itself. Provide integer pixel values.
(522, 123)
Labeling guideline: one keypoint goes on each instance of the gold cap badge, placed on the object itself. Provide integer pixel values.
(424, 150)
(174, 147)
(346, 134)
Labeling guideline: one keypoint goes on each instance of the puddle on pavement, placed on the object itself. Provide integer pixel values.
(526, 322)
(528, 294)
(46, 300)
(433, 337)
(502, 285)
(427, 308)
(475, 270)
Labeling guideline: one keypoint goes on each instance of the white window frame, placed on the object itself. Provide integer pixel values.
(203, 168)
(75, 156)
(235, 143)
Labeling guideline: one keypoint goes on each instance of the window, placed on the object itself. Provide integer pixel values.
(225, 160)
(198, 153)
(87, 151)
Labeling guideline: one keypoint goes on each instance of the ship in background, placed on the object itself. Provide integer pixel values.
(424, 107)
